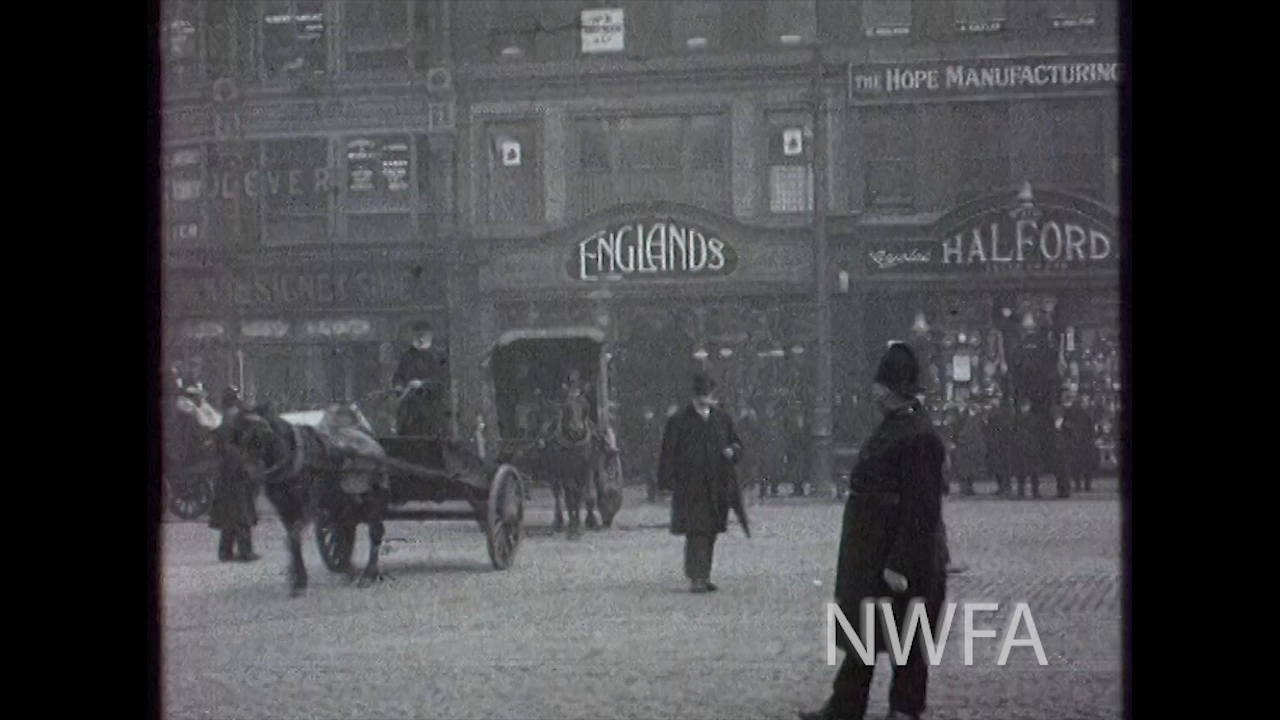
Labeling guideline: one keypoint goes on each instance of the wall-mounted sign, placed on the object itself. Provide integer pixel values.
(1007, 76)
(254, 183)
(264, 329)
(793, 142)
(1026, 233)
(603, 30)
(353, 328)
(510, 150)
(651, 249)
(304, 289)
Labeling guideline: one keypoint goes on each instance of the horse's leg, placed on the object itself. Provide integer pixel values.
(297, 567)
(589, 495)
(375, 503)
(557, 490)
(572, 482)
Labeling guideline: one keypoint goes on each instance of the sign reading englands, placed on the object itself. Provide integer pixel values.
(1004, 76)
(1026, 234)
(651, 249)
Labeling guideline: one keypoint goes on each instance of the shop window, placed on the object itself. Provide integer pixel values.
(627, 160)
(886, 18)
(294, 38)
(1067, 14)
(297, 191)
(181, 40)
(184, 181)
(513, 186)
(979, 16)
(790, 163)
(696, 25)
(377, 35)
(980, 132)
(378, 197)
(792, 22)
(234, 190)
(890, 164)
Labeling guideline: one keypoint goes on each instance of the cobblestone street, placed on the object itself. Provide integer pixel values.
(605, 628)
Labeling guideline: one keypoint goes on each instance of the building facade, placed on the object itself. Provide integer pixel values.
(644, 167)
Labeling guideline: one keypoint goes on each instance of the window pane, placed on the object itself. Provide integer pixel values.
(696, 25)
(979, 10)
(790, 139)
(593, 144)
(649, 143)
(982, 157)
(886, 17)
(512, 26)
(709, 142)
(294, 38)
(648, 26)
(890, 155)
(422, 170)
(185, 194)
(180, 40)
(373, 28)
(515, 178)
(792, 21)
(378, 172)
(790, 189)
(380, 228)
(234, 190)
(296, 176)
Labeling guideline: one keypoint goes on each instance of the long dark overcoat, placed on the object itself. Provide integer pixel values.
(703, 483)
(235, 492)
(1000, 440)
(1033, 449)
(970, 457)
(893, 518)
(1083, 454)
(423, 411)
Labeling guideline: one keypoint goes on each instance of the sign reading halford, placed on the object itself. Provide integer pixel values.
(1025, 235)
(651, 249)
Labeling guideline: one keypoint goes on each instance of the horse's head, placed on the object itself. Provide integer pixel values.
(574, 418)
(258, 439)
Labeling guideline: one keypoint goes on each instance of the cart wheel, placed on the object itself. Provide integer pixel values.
(329, 539)
(189, 499)
(505, 516)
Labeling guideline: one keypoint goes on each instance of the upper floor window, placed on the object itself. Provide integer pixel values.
(790, 163)
(184, 182)
(511, 174)
(647, 159)
(181, 40)
(1073, 13)
(980, 132)
(513, 29)
(792, 22)
(377, 35)
(298, 191)
(977, 16)
(889, 156)
(294, 38)
(886, 18)
(1065, 147)
(696, 25)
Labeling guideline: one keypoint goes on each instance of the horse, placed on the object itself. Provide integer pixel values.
(573, 458)
(305, 471)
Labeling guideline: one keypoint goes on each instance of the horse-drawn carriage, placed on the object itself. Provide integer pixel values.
(190, 459)
(551, 389)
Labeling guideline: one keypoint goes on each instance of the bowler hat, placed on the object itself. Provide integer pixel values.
(703, 385)
(899, 371)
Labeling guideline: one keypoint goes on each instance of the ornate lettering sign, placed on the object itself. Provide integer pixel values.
(305, 289)
(1051, 233)
(983, 77)
(657, 248)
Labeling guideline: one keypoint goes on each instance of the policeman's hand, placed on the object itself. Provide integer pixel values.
(896, 581)
(728, 453)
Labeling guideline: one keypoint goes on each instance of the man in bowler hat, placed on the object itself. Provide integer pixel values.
(891, 545)
(697, 465)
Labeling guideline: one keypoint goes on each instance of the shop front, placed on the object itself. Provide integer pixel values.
(673, 289)
(307, 332)
(1014, 295)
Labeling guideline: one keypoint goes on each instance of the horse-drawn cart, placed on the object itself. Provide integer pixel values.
(424, 470)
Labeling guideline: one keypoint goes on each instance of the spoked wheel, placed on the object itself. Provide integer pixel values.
(335, 554)
(190, 498)
(505, 516)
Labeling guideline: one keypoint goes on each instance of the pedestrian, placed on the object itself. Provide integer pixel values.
(697, 464)
(420, 381)
(1082, 452)
(1000, 441)
(891, 543)
(1058, 453)
(969, 461)
(1028, 449)
(233, 512)
(773, 451)
(796, 455)
(748, 428)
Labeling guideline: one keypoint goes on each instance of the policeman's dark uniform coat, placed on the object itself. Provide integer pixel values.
(1000, 440)
(1081, 455)
(422, 411)
(703, 483)
(233, 511)
(1032, 449)
(892, 520)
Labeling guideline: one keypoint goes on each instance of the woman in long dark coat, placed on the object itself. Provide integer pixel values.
(233, 511)
(699, 452)
(891, 543)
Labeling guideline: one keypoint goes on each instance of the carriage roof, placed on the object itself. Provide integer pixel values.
(581, 332)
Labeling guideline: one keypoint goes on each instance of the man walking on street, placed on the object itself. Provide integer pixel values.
(233, 512)
(891, 543)
(697, 464)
